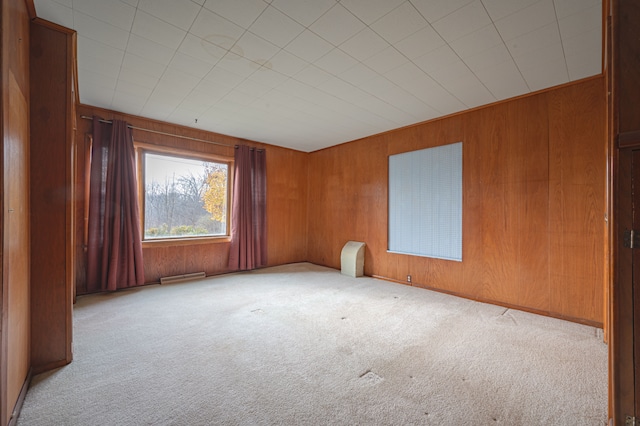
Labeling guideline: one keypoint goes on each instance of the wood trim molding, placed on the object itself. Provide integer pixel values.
(182, 152)
(70, 169)
(497, 303)
(50, 366)
(53, 26)
(23, 393)
(31, 8)
(629, 139)
(73, 40)
(170, 242)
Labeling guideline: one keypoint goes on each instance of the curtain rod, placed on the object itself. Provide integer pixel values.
(159, 132)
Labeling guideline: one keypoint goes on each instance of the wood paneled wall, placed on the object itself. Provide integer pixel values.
(51, 194)
(15, 312)
(286, 201)
(533, 203)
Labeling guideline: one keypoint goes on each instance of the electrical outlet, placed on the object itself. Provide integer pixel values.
(408, 278)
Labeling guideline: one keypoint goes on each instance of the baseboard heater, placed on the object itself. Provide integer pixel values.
(182, 278)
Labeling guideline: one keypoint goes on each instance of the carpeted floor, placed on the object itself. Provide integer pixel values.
(303, 345)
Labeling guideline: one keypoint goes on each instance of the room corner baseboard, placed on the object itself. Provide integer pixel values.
(50, 366)
(551, 314)
(23, 393)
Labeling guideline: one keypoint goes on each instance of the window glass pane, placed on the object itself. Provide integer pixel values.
(184, 197)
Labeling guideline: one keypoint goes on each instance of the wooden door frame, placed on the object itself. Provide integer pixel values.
(621, 70)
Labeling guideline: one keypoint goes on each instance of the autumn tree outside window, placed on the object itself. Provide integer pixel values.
(183, 195)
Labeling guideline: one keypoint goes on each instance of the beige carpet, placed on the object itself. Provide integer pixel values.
(303, 345)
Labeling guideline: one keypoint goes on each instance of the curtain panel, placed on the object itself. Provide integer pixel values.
(249, 210)
(114, 251)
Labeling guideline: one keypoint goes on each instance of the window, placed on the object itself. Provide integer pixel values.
(183, 196)
(425, 202)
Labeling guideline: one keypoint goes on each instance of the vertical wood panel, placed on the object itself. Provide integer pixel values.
(525, 178)
(321, 211)
(473, 213)
(14, 297)
(533, 246)
(17, 243)
(286, 207)
(51, 157)
(528, 173)
(576, 209)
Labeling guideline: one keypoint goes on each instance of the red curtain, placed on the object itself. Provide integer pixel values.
(114, 241)
(249, 210)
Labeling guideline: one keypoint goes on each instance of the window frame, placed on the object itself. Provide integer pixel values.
(141, 149)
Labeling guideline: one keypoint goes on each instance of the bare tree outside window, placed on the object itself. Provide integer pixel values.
(184, 197)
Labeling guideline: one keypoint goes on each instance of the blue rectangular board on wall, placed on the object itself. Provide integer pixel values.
(425, 202)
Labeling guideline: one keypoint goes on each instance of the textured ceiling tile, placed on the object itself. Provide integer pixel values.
(276, 27)
(566, 8)
(545, 54)
(488, 58)
(336, 62)
(100, 31)
(503, 80)
(537, 39)
(386, 60)
(287, 63)
(115, 13)
(546, 74)
(306, 12)
(436, 60)
(434, 10)
(462, 22)
(240, 12)
(581, 22)
(255, 49)
(150, 50)
(337, 25)
(499, 9)
(399, 23)
(420, 43)
(127, 75)
(160, 32)
(364, 45)
(526, 20)
(477, 41)
(180, 13)
(312, 75)
(370, 11)
(202, 50)
(309, 46)
(189, 65)
(215, 29)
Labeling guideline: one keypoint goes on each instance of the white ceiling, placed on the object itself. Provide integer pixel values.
(308, 74)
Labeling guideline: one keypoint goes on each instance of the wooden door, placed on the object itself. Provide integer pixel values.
(635, 290)
(625, 334)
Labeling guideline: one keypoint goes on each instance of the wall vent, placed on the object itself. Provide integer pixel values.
(352, 259)
(182, 278)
